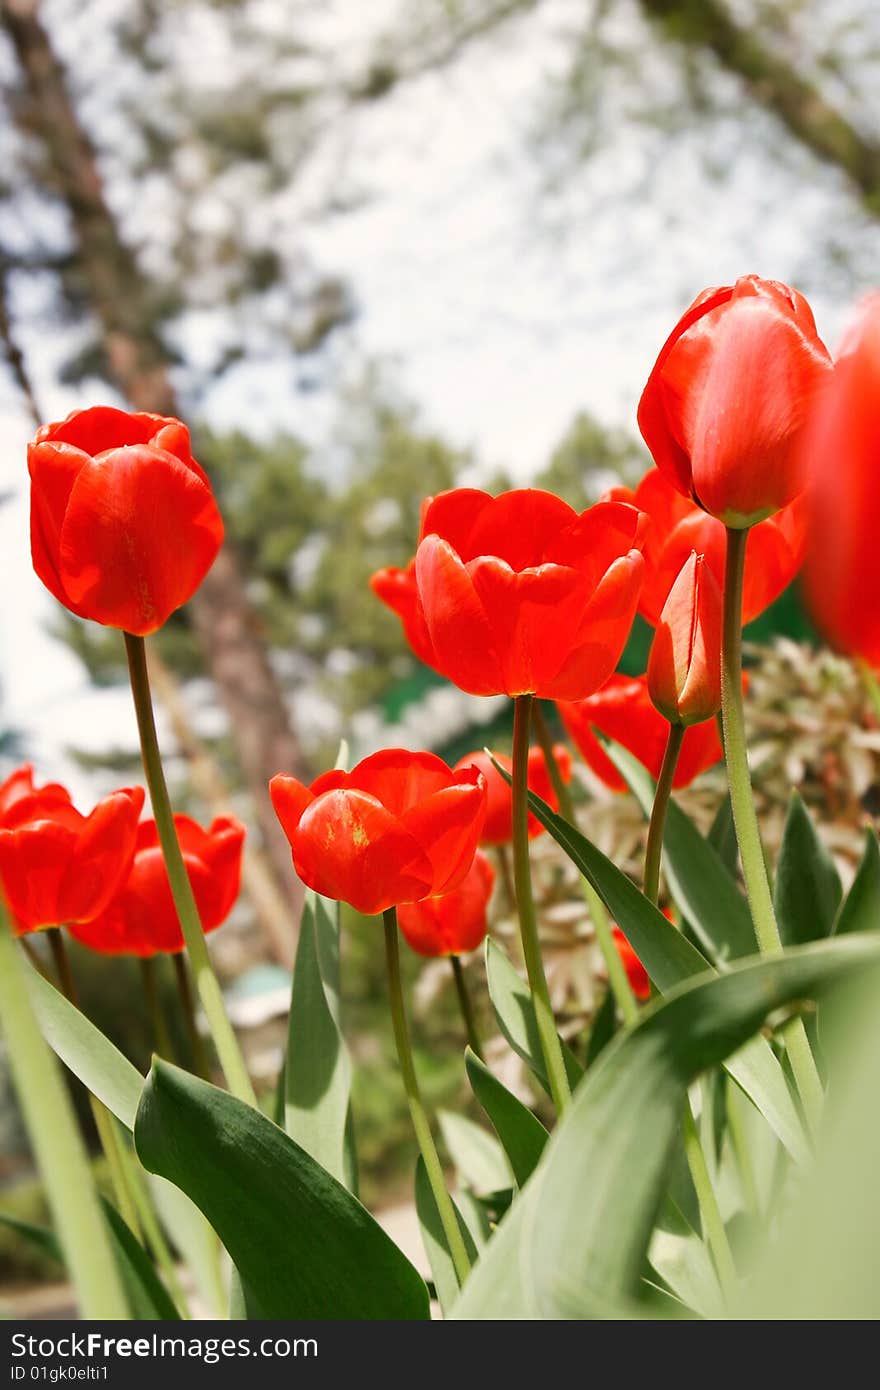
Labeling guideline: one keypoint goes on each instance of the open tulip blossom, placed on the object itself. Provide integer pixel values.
(498, 825)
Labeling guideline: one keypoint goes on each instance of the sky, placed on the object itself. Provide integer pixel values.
(500, 286)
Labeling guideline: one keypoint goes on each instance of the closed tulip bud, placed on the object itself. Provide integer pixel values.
(684, 667)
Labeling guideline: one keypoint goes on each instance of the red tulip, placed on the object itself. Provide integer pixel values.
(774, 551)
(639, 981)
(498, 825)
(56, 866)
(684, 665)
(843, 454)
(519, 594)
(398, 828)
(453, 923)
(725, 407)
(142, 919)
(124, 526)
(622, 710)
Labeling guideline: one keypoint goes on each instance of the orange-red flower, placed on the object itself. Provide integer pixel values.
(726, 404)
(142, 920)
(498, 825)
(124, 526)
(774, 551)
(684, 665)
(519, 594)
(636, 973)
(399, 827)
(453, 923)
(843, 453)
(622, 710)
(56, 865)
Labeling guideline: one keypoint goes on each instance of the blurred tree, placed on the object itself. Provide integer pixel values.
(590, 458)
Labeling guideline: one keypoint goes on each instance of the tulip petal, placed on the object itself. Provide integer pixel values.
(397, 589)
(348, 846)
(102, 857)
(447, 825)
(531, 616)
(459, 630)
(289, 799)
(519, 527)
(54, 469)
(34, 861)
(397, 778)
(604, 629)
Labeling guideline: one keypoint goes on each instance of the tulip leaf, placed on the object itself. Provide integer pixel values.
(682, 1260)
(604, 1025)
(521, 1133)
(722, 836)
(580, 1231)
(807, 890)
(317, 1071)
(148, 1298)
(193, 1238)
(515, 1014)
(303, 1245)
(860, 909)
(478, 1157)
(83, 1048)
(40, 1237)
(669, 959)
(434, 1239)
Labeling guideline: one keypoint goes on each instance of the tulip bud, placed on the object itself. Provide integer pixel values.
(684, 667)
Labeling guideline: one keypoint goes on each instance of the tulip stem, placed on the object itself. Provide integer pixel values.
(154, 1006)
(713, 1225)
(618, 980)
(654, 850)
(201, 1064)
(57, 1143)
(464, 1003)
(418, 1114)
(551, 1047)
(207, 985)
(745, 820)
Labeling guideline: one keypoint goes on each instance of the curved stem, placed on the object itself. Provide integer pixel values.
(528, 922)
(206, 982)
(464, 1003)
(654, 850)
(745, 819)
(418, 1114)
(618, 980)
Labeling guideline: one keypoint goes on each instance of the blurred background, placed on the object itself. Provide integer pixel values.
(369, 251)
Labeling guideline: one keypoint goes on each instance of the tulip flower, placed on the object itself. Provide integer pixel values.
(57, 866)
(399, 827)
(774, 553)
(842, 576)
(124, 526)
(498, 825)
(726, 405)
(636, 973)
(519, 594)
(684, 665)
(453, 923)
(141, 920)
(623, 711)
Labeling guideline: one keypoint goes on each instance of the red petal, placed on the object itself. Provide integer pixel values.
(348, 847)
(603, 632)
(398, 778)
(519, 527)
(290, 799)
(102, 857)
(54, 469)
(460, 634)
(447, 825)
(397, 588)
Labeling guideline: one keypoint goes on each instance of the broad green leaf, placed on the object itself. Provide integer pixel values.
(473, 1213)
(478, 1157)
(434, 1239)
(303, 1245)
(860, 909)
(669, 959)
(603, 1027)
(521, 1133)
(515, 1014)
(807, 890)
(580, 1231)
(83, 1048)
(148, 1298)
(317, 1072)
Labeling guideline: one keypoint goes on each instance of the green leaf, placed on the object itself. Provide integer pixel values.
(807, 891)
(669, 959)
(681, 1258)
(83, 1048)
(147, 1296)
(580, 1231)
(41, 1237)
(521, 1133)
(317, 1072)
(722, 836)
(434, 1239)
(603, 1029)
(478, 1157)
(194, 1240)
(515, 1013)
(860, 909)
(303, 1245)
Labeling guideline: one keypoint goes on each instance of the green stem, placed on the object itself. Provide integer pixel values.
(504, 869)
(654, 850)
(421, 1125)
(206, 982)
(154, 1006)
(871, 684)
(709, 1210)
(57, 1144)
(745, 819)
(618, 979)
(201, 1064)
(464, 1003)
(528, 922)
(740, 1142)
